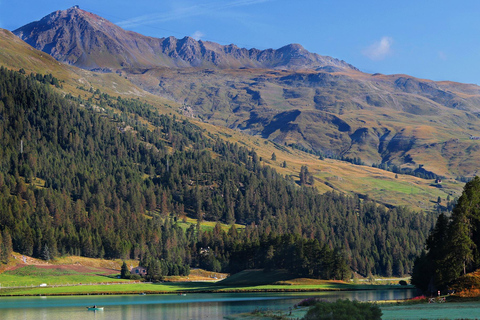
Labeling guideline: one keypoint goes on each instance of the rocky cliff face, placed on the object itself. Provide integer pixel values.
(88, 41)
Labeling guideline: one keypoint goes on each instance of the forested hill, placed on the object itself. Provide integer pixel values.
(110, 179)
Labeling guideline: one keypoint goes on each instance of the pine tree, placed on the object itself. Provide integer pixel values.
(124, 272)
(422, 272)
(465, 221)
(45, 253)
(438, 251)
(7, 245)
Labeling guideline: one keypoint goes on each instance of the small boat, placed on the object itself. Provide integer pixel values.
(95, 308)
(142, 294)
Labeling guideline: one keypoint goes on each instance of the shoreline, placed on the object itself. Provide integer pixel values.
(253, 290)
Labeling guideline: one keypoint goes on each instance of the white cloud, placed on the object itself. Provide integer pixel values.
(197, 35)
(187, 11)
(380, 49)
(442, 56)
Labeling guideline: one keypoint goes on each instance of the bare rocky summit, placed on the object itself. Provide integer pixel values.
(88, 41)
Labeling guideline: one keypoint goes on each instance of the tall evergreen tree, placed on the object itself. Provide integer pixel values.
(464, 237)
(124, 272)
(453, 245)
(46, 253)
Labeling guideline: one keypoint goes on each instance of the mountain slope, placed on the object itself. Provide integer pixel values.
(329, 174)
(99, 174)
(17, 54)
(88, 41)
(394, 119)
(289, 96)
(103, 184)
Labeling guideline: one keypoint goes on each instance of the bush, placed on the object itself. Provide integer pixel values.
(403, 282)
(467, 285)
(135, 277)
(308, 302)
(344, 310)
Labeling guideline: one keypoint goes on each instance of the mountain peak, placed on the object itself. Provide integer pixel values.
(84, 39)
(293, 47)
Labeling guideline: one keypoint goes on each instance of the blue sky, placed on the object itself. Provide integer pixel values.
(437, 40)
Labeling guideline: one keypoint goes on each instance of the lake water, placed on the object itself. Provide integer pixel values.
(192, 306)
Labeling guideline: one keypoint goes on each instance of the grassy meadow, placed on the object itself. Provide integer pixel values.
(80, 279)
(205, 225)
(185, 287)
(34, 276)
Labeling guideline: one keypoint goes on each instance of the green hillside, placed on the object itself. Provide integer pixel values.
(114, 185)
(329, 174)
(256, 278)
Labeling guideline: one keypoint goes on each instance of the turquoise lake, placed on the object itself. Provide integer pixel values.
(170, 306)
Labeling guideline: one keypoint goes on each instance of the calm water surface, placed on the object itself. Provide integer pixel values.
(191, 306)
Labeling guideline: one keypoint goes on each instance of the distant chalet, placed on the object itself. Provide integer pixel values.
(139, 270)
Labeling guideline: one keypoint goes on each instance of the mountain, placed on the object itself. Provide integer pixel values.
(289, 96)
(329, 174)
(99, 174)
(16, 54)
(88, 41)
(396, 119)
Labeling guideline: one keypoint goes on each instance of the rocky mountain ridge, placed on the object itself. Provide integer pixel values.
(88, 41)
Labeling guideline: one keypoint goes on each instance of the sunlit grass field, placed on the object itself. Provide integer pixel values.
(69, 282)
(33, 276)
(205, 225)
(184, 287)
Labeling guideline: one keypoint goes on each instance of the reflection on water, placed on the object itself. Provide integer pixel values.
(191, 306)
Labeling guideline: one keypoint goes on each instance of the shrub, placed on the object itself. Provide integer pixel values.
(344, 310)
(308, 302)
(135, 277)
(403, 282)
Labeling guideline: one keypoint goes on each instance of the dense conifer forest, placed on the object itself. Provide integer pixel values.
(453, 246)
(78, 178)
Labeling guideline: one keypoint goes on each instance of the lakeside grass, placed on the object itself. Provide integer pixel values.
(33, 276)
(406, 311)
(80, 280)
(449, 310)
(295, 313)
(186, 287)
